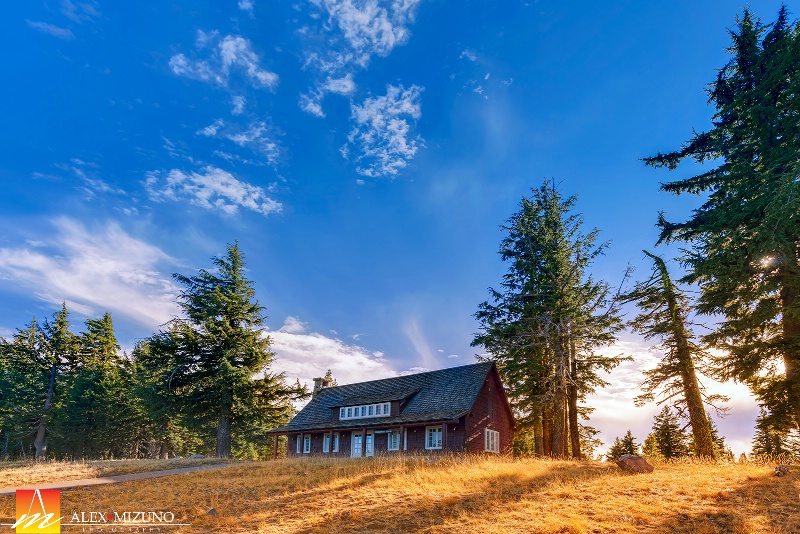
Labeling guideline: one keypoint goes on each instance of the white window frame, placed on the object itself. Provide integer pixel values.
(335, 442)
(393, 436)
(306, 443)
(491, 440)
(437, 429)
(326, 442)
(365, 411)
(298, 446)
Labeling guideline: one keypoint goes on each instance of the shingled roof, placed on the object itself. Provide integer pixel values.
(433, 396)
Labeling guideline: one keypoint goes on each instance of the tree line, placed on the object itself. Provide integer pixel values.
(201, 384)
(549, 319)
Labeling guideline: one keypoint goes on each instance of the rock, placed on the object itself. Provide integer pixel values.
(634, 464)
(196, 456)
(211, 511)
(781, 470)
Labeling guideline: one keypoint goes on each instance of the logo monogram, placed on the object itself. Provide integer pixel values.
(36, 510)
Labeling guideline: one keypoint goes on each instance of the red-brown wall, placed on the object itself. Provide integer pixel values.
(490, 411)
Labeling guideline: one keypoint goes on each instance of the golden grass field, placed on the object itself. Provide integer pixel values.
(462, 494)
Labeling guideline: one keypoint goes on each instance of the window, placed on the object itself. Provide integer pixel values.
(394, 440)
(299, 440)
(491, 440)
(335, 442)
(307, 443)
(381, 409)
(326, 442)
(433, 437)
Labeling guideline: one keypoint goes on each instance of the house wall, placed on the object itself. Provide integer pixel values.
(489, 411)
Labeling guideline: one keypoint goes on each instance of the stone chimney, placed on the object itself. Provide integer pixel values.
(321, 383)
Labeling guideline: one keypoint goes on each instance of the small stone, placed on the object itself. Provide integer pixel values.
(196, 456)
(781, 470)
(211, 511)
(634, 464)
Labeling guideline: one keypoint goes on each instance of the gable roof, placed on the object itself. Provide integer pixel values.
(433, 396)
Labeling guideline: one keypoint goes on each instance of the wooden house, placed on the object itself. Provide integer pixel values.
(460, 409)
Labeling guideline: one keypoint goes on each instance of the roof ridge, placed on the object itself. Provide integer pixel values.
(402, 376)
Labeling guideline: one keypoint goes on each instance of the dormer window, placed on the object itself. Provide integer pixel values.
(381, 409)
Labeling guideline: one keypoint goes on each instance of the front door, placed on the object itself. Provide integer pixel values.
(355, 444)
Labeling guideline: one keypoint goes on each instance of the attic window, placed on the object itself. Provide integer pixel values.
(381, 409)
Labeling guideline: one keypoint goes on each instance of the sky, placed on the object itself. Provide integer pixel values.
(363, 154)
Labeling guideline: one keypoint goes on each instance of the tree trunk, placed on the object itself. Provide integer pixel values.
(791, 354)
(224, 432)
(538, 431)
(574, 429)
(547, 430)
(559, 424)
(40, 443)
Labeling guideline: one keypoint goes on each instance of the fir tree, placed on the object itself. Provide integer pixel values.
(544, 326)
(220, 356)
(621, 447)
(664, 315)
(667, 439)
(744, 253)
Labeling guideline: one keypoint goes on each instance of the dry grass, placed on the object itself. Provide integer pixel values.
(460, 494)
(20, 473)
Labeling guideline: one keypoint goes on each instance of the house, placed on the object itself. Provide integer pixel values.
(457, 409)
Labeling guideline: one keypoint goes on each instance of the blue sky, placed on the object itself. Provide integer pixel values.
(363, 154)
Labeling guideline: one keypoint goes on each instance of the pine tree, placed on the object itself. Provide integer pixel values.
(664, 316)
(544, 326)
(219, 356)
(667, 440)
(744, 253)
(621, 447)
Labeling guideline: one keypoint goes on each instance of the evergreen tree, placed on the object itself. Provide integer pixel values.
(667, 440)
(772, 441)
(544, 326)
(219, 356)
(621, 447)
(664, 316)
(744, 253)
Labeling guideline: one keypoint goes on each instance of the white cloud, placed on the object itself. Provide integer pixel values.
(246, 5)
(365, 28)
(94, 270)
(238, 103)
(228, 53)
(468, 55)
(616, 413)
(312, 102)
(305, 355)
(51, 29)
(381, 134)
(418, 340)
(80, 12)
(213, 189)
(256, 137)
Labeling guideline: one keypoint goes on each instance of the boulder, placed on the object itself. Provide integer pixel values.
(196, 456)
(634, 464)
(781, 470)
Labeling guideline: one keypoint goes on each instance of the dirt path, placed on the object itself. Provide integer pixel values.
(66, 484)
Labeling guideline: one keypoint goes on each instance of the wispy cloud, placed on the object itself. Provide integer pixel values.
(80, 12)
(312, 102)
(381, 136)
(247, 5)
(238, 102)
(51, 29)
(227, 54)
(94, 270)
(257, 136)
(212, 189)
(469, 55)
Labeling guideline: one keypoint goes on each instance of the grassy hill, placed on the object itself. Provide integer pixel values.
(459, 494)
